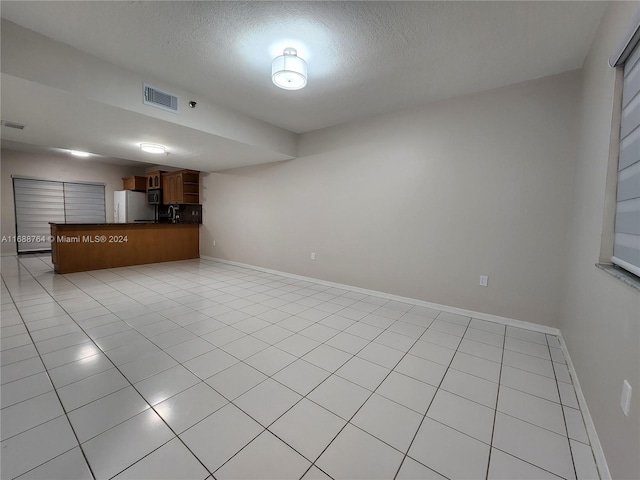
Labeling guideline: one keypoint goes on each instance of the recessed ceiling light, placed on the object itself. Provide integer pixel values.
(153, 148)
(289, 71)
(79, 153)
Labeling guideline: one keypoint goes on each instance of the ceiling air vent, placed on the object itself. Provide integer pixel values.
(15, 125)
(159, 99)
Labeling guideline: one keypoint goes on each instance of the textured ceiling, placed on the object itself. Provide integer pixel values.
(364, 58)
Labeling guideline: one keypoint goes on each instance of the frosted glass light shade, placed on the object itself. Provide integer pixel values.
(289, 71)
(79, 153)
(152, 148)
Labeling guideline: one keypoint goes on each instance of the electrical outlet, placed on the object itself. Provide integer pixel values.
(484, 281)
(625, 397)
(313, 255)
(214, 243)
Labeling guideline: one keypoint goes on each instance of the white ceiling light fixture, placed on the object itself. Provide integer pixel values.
(79, 153)
(289, 71)
(153, 148)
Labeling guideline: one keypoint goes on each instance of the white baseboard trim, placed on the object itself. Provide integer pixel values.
(413, 301)
(596, 446)
(8, 254)
(598, 452)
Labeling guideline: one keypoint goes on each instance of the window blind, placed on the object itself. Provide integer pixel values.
(38, 202)
(84, 203)
(626, 251)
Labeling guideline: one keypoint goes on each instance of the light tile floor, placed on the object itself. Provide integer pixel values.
(199, 369)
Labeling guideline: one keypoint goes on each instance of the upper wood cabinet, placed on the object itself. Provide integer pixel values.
(134, 183)
(171, 192)
(154, 180)
(181, 187)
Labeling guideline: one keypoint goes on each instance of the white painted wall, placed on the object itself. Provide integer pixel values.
(418, 203)
(600, 318)
(51, 166)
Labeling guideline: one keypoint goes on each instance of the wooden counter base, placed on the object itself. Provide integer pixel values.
(82, 247)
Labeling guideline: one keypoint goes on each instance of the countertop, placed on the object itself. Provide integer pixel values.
(137, 224)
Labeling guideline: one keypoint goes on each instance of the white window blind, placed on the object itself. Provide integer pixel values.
(84, 203)
(626, 251)
(38, 202)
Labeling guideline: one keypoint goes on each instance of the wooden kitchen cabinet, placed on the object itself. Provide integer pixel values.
(134, 183)
(181, 187)
(154, 180)
(170, 188)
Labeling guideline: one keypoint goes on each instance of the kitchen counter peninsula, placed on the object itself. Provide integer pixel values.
(94, 246)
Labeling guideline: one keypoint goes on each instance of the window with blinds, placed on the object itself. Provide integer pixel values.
(38, 202)
(626, 252)
(83, 203)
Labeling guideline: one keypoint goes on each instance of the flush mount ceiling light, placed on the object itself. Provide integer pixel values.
(79, 153)
(153, 148)
(289, 71)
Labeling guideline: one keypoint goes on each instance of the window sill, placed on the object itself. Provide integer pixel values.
(621, 274)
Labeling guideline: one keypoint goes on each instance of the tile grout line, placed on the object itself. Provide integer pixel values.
(526, 421)
(266, 429)
(189, 387)
(178, 362)
(495, 412)
(297, 332)
(322, 343)
(299, 358)
(564, 418)
(379, 294)
(321, 406)
(317, 321)
(363, 347)
(367, 399)
(495, 409)
(424, 416)
(57, 396)
(150, 406)
(226, 325)
(306, 396)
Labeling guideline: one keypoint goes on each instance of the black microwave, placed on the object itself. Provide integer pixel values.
(154, 197)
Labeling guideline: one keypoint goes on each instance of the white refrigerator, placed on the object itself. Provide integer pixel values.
(130, 207)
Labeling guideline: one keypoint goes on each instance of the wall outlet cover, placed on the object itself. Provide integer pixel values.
(484, 281)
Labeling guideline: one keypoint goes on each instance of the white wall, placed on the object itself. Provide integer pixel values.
(601, 315)
(418, 203)
(51, 166)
